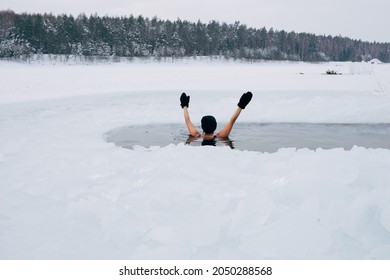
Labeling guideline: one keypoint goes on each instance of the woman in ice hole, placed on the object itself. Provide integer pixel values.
(209, 124)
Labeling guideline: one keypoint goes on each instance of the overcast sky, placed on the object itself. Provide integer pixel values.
(357, 19)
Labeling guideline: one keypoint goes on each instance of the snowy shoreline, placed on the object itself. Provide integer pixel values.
(65, 193)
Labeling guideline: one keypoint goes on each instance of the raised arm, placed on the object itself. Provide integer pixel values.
(224, 133)
(184, 102)
(244, 100)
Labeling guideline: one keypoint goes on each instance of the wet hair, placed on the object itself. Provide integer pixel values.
(209, 124)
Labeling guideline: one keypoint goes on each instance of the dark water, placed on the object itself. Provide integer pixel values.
(264, 137)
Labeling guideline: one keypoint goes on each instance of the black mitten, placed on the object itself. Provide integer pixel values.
(244, 100)
(184, 100)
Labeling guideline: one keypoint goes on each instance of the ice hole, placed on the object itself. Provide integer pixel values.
(263, 137)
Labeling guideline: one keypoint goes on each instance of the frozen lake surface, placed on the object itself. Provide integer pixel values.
(66, 193)
(263, 137)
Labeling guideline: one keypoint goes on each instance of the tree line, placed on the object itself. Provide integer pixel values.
(129, 36)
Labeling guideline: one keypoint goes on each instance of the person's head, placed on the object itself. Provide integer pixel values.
(209, 124)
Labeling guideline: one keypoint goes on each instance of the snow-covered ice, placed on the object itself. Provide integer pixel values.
(65, 193)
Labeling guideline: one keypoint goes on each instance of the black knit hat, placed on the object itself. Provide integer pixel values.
(209, 124)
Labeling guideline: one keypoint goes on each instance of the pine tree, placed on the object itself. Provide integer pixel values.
(23, 34)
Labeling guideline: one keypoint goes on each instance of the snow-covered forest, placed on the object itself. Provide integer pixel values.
(22, 35)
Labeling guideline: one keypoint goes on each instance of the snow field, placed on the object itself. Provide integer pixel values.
(68, 194)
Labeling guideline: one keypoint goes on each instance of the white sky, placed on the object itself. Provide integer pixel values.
(357, 19)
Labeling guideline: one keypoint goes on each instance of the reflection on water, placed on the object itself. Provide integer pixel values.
(264, 137)
(210, 142)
